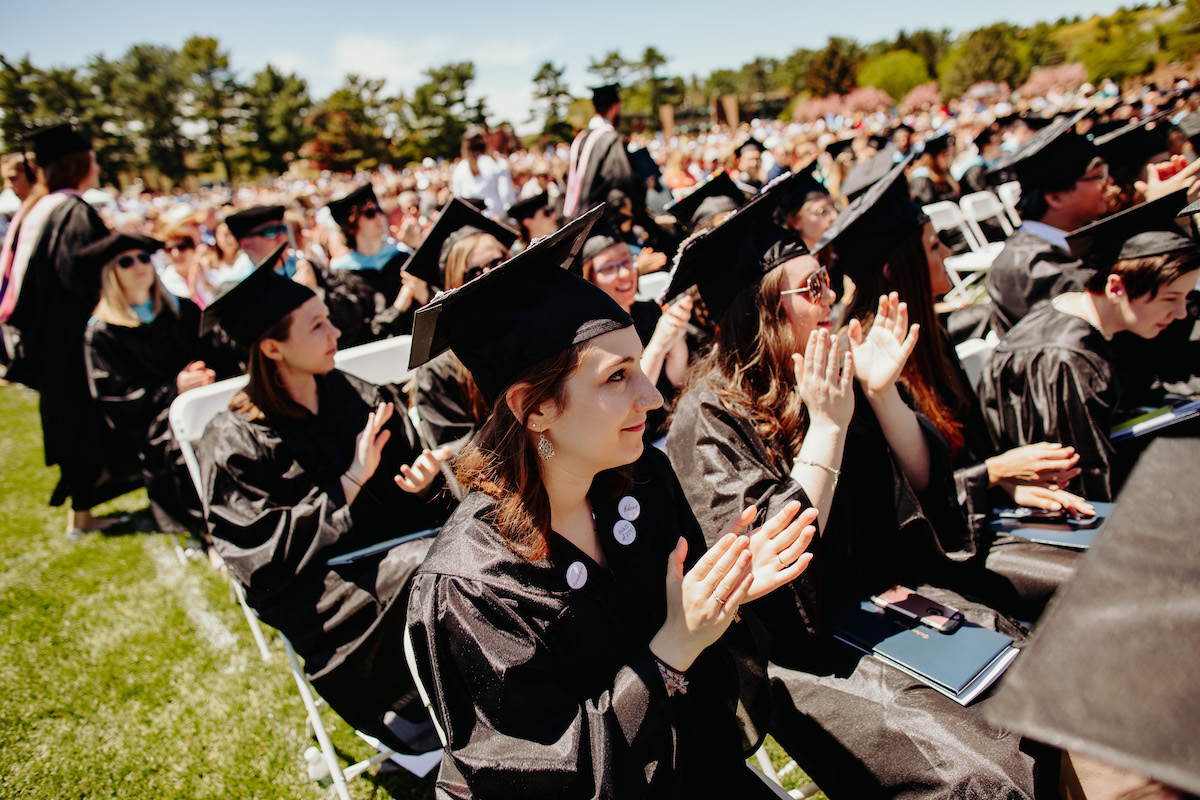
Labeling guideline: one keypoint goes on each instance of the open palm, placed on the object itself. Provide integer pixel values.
(881, 356)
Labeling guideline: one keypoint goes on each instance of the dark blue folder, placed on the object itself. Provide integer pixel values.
(1068, 532)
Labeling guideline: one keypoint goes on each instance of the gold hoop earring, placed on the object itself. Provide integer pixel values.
(545, 448)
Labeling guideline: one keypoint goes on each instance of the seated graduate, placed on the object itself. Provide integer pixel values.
(259, 230)
(535, 217)
(300, 470)
(462, 245)
(373, 296)
(143, 349)
(890, 245)
(565, 619)
(762, 425)
(707, 205)
(1057, 375)
(929, 180)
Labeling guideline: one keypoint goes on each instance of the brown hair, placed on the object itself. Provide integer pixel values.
(68, 171)
(265, 396)
(1145, 276)
(752, 351)
(501, 459)
(929, 377)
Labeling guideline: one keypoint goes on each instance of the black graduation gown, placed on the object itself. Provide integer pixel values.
(546, 686)
(51, 314)
(277, 513)
(1030, 271)
(131, 374)
(360, 303)
(443, 404)
(860, 728)
(646, 314)
(1055, 378)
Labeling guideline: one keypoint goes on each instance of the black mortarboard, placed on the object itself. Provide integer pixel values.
(1132, 145)
(1147, 229)
(902, 127)
(722, 261)
(342, 207)
(1034, 122)
(92, 257)
(604, 96)
(1190, 125)
(750, 144)
(803, 189)
(865, 235)
(524, 311)
(1111, 671)
(836, 148)
(600, 239)
(878, 142)
(1006, 120)
(52, 143)
(985, 137)
(478, 202)
(524, 209)
(865, 174)
(687, 209)
(644, 164)
(243, 222)
(1053, 159)
(937, 144)
(427, 263)
(251, 307)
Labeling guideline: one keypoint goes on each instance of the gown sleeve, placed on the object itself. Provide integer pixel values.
(514, 728)
(129, 405)
(439, 399)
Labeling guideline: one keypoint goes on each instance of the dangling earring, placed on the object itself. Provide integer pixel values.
(545, 448)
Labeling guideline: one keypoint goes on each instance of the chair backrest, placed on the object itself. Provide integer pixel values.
(191, 412)
(653, 284)
(984, 205)
(1010, 195)
(946, 215)
(974, 353)
(382, 362)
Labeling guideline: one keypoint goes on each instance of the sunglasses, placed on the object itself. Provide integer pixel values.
(271, 232)
(816, 286)
(370, 212)
(474, 272)
(127, 261)
(180, 247)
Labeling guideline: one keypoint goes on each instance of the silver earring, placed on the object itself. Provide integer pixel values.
(545, 448)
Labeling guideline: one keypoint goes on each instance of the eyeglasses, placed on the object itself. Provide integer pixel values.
(125, 262)
(370, 212)
(1101, 176)
(474, 272)
(816, 286)
(180, 247)
(820, 211)
(608, 270)
(271, 232)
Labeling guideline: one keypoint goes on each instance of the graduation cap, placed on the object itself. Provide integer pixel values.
(878, 142)
(606, 96)
(524, 311)
(524, 209)
(716, 195)
(479, 202)
(429, 261)
(749, 144)
(251, 307)
(901, 127)
(1147, 229)
(241, 223)
(91, 258)
(1054, 158)
(937, 144)
(985, 137)
(840, 146)
(800, 191)
(341, 208)
(1132, 145)
(644, 164)
(865, 234)
(600, 239)
(1111, 673)
(1190, 125)
(722, 261)
(865, 174)
(53, 142)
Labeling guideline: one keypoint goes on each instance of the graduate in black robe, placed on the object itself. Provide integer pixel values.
(1056, 374)
(549, 652)
(51, 315)
(290, 486)
(140, 356)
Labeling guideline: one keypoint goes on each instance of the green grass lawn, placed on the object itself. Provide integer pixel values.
(126, 674)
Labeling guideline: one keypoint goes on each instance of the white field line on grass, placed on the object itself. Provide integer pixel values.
(186, 584)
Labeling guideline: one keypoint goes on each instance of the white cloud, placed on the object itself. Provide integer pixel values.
(385, 55)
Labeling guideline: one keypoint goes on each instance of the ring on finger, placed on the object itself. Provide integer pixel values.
(719, 600)
(779, 558)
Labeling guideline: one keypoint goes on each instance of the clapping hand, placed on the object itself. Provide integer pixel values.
(416, 477)
(777, 547)
(880, 358)
(368, 447)
(828, 395)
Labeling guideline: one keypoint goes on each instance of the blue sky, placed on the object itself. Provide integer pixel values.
(397, 40)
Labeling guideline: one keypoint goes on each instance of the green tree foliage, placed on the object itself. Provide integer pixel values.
(147, 90)
(17, 80)
(987, 54)
(550, 90)
(896, 72)
(350, 127)
(277, 107)
(211, 98)
(833, 69)
(613, 68)
(931, 46)
(436, 116)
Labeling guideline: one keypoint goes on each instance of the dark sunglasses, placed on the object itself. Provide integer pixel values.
(474, 272)
(370, 212)
(816, 285)
(180, 247)
(125, 262)
(271, 232)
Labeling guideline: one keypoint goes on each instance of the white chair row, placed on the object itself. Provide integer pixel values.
(966, 269)
(974, 353)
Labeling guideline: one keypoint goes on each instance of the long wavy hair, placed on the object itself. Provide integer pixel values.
(751, 357)
(501, 459)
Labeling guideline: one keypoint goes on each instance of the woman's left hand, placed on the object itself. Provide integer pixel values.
(777, 547)
(879, 360)
(305, 274)
(1037, 496)
(417, 477)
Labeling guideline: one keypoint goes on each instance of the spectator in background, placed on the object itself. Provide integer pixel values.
(482, 176)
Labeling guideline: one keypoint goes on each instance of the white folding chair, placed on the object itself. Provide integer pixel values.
(974, 353)
(382, 362)
(979, 206)
(946, 215)
(1010, 194)
(653, 284)
(967, 269)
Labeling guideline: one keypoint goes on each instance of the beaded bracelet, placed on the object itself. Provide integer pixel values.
(675, 681)
(836, 473)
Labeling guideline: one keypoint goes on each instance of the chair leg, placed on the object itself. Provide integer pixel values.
(179, 554)
(764, 763)
(251, 620)
(323, 740)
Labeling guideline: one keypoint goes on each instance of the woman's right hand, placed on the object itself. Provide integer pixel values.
(1047, 463)
(880, 358)
(702, 603)
(828, 396)
(194, 375)
(368, 447)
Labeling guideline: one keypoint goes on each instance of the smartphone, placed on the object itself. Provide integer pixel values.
(1026, 512)
(907, 603)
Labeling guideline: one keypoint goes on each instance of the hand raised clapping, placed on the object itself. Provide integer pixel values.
(828, 395)
(880, 358)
